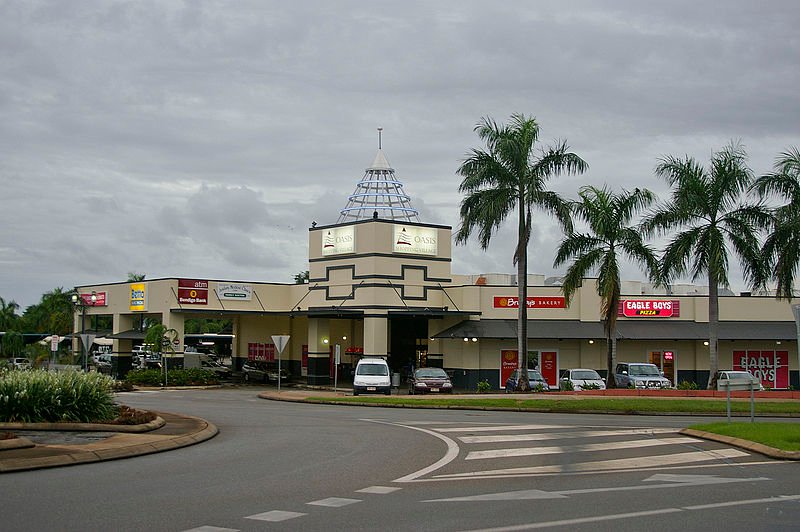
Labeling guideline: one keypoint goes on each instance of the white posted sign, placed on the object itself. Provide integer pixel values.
(280, 342)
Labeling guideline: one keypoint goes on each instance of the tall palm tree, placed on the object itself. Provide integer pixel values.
(781, 249)
(508, 175)
(708, 207)
(8, 314)
(611, 237)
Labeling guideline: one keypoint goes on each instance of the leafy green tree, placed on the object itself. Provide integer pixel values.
(508, 175)
(13, 344)
(301, 277)
(610, 238)
(134, 277)
(781, 249)
(8, 315)
(709, 210)
(52, 315)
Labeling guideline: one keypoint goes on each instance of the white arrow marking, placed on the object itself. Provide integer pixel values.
(674, 481)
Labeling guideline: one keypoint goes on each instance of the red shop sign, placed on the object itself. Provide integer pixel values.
(649, 308)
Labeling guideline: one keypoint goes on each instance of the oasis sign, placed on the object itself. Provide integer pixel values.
(339, 240)
(533, 302)
(415, 240)
(649, 308)
(192, 292)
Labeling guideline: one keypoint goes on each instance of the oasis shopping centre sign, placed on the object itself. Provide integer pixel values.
(415, 240)
(339, 240)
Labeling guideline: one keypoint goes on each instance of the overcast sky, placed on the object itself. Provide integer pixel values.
(201, 139)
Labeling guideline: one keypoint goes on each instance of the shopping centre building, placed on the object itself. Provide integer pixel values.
(380, 284)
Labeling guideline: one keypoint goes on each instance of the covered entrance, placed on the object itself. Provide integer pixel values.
(408, 344)
(665, 360)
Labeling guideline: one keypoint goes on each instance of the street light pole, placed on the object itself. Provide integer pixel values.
(79, 300)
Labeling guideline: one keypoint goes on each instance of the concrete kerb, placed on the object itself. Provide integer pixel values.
(120, 445)
(297, 396)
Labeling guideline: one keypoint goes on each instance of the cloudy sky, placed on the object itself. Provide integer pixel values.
(201, 138)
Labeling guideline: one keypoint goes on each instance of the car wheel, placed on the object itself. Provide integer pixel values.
(355, 393)
(387, 392)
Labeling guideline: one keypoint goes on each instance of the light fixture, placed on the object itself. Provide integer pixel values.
(324, 340)
(591, 341)
(474, 339)
(778, 342)
(705, 343)
(466, 339)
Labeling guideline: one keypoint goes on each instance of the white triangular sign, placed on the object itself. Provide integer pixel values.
(280, 341)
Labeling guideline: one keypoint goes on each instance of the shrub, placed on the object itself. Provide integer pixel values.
(567, 386)
(42, 396)
(590, 386)
(484, 386)
(687, 385)
(175, 377)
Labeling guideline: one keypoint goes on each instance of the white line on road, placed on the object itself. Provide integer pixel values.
(207, 528)
(619, 464)
(275, 516)
(504, 438)
(495, 428)
(606, 446)
(334, 502)
(379, 490)
(633, 515)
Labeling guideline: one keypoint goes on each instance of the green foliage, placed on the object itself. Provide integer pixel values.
(177, 377)
(687, 385)
(785, 436)
(590, 386)
(566, 386)
(484, 386)
(538, 388)
(301, 277)
(201, 325)
(42, 396)
(161, 338)
(13, 344)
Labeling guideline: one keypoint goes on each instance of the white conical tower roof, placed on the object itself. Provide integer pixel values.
(379, 195)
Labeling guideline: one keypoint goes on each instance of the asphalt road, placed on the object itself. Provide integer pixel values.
(288, 466)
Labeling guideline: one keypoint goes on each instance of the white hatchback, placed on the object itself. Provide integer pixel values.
(372, 376)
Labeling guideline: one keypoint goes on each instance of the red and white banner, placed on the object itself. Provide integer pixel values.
(100, 299)
(192, 291)
(258, 351)
(771, 367)
(533, 302)
(508, 363)
(649, 308)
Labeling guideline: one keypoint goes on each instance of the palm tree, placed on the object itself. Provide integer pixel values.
(610, 238)
(708, 206)
(507, 176)
(134, 277)
(8, 314)
(781, 249)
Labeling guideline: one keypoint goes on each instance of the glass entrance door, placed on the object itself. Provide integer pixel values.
(665, 360)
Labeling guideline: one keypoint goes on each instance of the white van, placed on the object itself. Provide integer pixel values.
(372, 376)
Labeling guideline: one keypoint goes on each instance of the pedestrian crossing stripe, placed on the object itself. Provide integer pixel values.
(606, 446)
(501, 438)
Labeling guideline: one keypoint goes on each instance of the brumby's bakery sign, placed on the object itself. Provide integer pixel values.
(649, 308)
(533, 302)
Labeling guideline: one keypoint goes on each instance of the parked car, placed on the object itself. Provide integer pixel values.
(640, 375)
(19, 363)
(581, 379)
(255, 371)
(429, 380)
(372, 376)
(535, 380)
(725, 377)
(272, 372)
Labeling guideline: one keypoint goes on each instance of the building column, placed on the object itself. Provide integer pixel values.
(121, 362)
(376, 336)
(319, 353)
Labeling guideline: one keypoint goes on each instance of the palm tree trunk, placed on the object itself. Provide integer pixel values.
(611, 356)
(522, 293)
(713, 329)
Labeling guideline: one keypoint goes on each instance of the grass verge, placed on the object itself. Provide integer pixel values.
(784, 436)
(639, 405)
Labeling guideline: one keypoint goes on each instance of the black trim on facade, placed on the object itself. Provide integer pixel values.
(349, 256)
(373, 220)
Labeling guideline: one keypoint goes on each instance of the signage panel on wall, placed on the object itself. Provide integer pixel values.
(508, 363)
(533, 302)
(192, 291)
(771, 367)
(339, 240)
(101, 299)
(138, 296)
(234, 292)
(415, 240)
(649, 308)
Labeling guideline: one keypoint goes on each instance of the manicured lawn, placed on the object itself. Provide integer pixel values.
(784, 436)
(639, 405)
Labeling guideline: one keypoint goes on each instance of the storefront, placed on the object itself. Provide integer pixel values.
(380, 284)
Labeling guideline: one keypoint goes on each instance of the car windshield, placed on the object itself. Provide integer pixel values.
(372, 369)
(587, 375)
(645, 370)
(430, 373)
(738, 375)
(534, 375)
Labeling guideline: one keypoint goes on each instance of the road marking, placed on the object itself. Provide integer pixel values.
(334, 502)
(379, 490)
(207, 528)
(607, 446)
(275, 516)
(672, 481)
(495, 428)
(662, 511)
(503, 438)
(618, 464)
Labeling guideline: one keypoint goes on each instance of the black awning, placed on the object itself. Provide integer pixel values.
(626, 330)
(132, 334)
